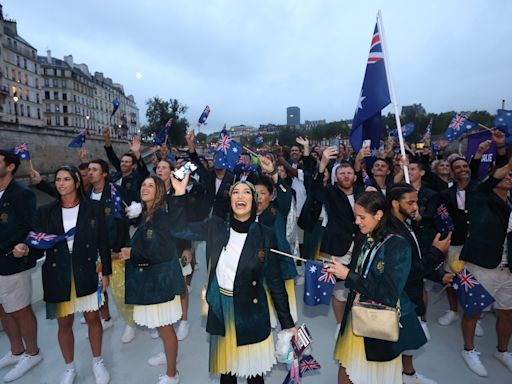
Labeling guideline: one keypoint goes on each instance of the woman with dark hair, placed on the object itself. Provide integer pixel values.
(71, 268)
(273, 211)
(154, 282)
(378, 272)
(240, 267)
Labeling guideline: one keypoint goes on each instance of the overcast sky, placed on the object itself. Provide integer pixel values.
(250, 60)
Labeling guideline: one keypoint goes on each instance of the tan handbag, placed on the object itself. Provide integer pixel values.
(376, 321)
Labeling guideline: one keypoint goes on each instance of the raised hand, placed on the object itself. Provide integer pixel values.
(106, 137)
(35, 177)
(190, 137)
(135, 144)
(266, 165)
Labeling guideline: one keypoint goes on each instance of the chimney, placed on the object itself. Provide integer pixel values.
(1, 12)
(69, 60)
(49, 55)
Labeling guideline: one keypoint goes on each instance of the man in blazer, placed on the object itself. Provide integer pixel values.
(131, 168)
(17, 204)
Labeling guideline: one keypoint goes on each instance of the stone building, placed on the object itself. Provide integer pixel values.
(20, 83)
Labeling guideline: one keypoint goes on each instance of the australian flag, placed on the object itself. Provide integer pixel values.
(41, 240)
(227, 151)
(204, 116)
(259, 140)
(373, 98)
(22, 151)
(319, 283)
(79, 140)
(458, 126)
(428, 131)
(503, 122)
(164, 132)
(472, 295)
(117, 202)
(407, 129)
(115, 106)
(443, 221)
(307, 364)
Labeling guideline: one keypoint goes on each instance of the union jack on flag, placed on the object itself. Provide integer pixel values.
(458, 126)
(467, 279)
(38, 236)
(307, 364)
(41, 240)
(327, 275)
(22, 151)
(224, 141)
(442, 211)
(204, 116)
(474, 298)
(376, 54)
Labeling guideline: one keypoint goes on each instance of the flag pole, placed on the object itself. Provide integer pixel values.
(392, 94)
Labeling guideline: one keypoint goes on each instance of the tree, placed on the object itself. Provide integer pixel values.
(201, 138)
(158, 114)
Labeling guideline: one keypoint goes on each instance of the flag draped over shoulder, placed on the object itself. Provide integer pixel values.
(318, 283)
(41, 240)
(22, 151)
(472, 295)
(227, 151)
(79, 140)
(459, 125)
(373, 98)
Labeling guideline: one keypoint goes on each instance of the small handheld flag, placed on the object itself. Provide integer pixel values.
(22, 151)
(428, 132)
(41, 240)
(115, 196)
(407, 129)
(204, 116)
(443, 222)
(227, 151)
(163, 134)
(472, 295)
(503, 122)
(115, 104)
(79, 140)
(319, 283)
(458, 126)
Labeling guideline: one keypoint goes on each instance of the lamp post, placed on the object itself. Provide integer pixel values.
(15, 98)
(87, 118)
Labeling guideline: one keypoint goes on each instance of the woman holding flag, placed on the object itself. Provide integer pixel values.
(378, 273)
(74, 277)
(240, 265)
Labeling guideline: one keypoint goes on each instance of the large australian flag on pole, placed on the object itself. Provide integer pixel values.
(373, 98)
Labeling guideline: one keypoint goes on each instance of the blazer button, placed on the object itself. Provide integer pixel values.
(255, 301)
(467, 222)
(54, 265)
(55, 250)
(141, 269)
(254, 283)
(87, 245)
(353, 235)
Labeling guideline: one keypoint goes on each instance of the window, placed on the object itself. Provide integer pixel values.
(24, 63)
(64, 83)
(48, 121)
(28, 111)
(55, 95)
(38, 114)
(22, 110)
(37, 98)
(47, 107)
(19, 76)
(57, 107)
(46, 82)
(57, 120)
(17, 61)
(64, 109)
(37, 83)
(64, 96)
(26, 78)
(55, 82)
(47, 95)
(13, 74)
(66, 121)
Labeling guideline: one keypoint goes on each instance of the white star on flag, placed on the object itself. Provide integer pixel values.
(312, 269)
(360, 101)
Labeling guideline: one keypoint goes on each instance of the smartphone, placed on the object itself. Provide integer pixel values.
(367, 143)
(184, 169)
(336, 145)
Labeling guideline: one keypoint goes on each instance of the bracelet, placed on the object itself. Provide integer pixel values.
(272, 173)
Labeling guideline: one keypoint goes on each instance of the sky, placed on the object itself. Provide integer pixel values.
(250, 60)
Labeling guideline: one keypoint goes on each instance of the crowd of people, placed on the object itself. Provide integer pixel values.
(131, 233)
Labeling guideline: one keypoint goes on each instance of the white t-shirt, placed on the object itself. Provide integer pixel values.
(69, 218)
(300, 191)
(228, 260)
(218, 182)
(351, 200)
(96, 196)
(119, 182)
(2, 193)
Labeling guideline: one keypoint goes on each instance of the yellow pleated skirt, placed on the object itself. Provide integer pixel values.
(226, 357)
(350, 353)
(117, 289)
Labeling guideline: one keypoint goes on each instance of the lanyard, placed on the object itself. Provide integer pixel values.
(371, 255)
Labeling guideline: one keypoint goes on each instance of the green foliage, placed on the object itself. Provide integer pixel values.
(158, 114)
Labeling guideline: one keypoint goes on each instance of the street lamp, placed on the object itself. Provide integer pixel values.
(15, 98)
(87, 119)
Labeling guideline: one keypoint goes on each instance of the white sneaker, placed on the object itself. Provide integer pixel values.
(299, 280)
(448, 318)
(158, 359)
(153, 332)
(25, 364)
(472, 359)
(100, 372)
(107, 324)
(416, 379)
(128, 334)
(505, 358)
(9, 359)
(424, 326)
(183, 329)
(83, 321)
(479, 331)
(69, 376)
(164, 379)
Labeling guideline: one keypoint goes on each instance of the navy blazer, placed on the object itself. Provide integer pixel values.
(257, 268)
(153, 273)
(17, 207)
(91, 238)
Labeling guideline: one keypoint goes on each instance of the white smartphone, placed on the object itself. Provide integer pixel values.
(367, 143)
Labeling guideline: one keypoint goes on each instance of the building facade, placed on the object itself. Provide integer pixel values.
(20, 83)
(293, 116)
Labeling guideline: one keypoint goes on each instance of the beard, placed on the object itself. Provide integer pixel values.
(406, 214)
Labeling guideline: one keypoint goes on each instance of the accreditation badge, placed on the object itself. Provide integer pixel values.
(380, 266)
(149, 234)
(108, 210)
(261, 255)
(4, 217)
